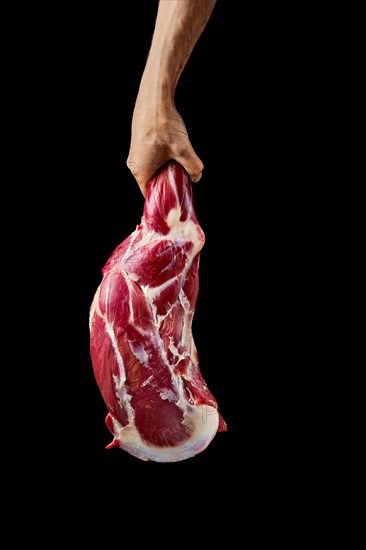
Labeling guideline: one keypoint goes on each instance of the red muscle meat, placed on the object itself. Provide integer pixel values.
(143, 354)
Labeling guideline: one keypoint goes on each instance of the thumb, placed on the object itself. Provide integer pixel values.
(142, 175)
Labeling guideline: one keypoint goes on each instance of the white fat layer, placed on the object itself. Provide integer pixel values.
(121, 390)
(180, 232)
(152, 293)
(147, 381)
(130, 248)
(186, 231)
(139, 352)
(168, 395)
(174, 350)
(204, 420)
(184, 300)
(130, 292)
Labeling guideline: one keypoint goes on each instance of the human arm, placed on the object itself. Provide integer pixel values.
(158, 132)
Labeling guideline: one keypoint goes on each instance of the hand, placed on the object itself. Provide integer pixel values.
(158, 135)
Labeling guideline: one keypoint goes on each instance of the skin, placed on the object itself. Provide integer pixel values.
(158, 132)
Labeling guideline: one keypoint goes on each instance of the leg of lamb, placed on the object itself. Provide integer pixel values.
(143, 354)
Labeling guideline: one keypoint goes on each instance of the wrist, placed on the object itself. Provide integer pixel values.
(156, 92)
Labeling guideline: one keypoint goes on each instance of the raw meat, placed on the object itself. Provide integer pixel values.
(142, 349)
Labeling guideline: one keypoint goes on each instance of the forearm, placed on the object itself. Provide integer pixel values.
(158, 132)
(179, 24)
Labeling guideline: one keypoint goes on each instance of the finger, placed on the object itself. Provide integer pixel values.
(142, 175)
(191, 162)
(136, 172)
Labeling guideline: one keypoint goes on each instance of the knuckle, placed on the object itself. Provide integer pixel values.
(133, 166)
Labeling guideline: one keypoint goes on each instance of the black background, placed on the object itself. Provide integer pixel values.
(247, 102)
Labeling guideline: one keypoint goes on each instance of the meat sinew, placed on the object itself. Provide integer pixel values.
(142, 349)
